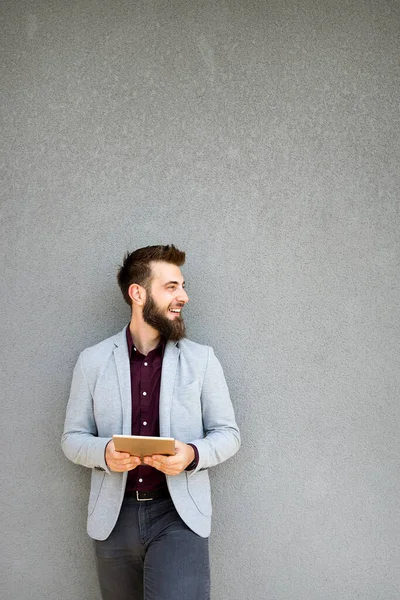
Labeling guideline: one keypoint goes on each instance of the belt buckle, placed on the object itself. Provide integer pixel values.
(141, 499)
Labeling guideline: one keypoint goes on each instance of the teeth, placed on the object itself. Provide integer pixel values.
(177, 310)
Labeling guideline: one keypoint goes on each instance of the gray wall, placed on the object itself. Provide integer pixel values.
(263, 138)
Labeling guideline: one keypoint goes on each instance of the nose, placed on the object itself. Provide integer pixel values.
(182, 296)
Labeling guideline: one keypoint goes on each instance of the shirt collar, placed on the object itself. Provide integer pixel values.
(131, 347)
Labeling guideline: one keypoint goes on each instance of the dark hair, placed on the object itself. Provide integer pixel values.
(136, 266)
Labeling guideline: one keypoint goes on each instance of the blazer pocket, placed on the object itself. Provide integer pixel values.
(188, 390)
(200, 491)
(186, 416)
(95, 487)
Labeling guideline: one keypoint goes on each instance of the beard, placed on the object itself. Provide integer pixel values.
(173, 330)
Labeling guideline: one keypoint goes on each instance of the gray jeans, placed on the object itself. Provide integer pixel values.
(152, 555)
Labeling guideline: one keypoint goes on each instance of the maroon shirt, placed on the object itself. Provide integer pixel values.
(145, 393)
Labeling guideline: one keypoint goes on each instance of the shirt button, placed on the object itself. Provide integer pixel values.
(145, 364)
(144, 422)
(140, 480)
(144, 393)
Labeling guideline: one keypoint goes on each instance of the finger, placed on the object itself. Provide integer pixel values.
(130, 468)
(126, 458)
(161, 459)
(122, 468)
(127, 463)
(172, 472)
(118, 455)
(167, 469)
(157, 465)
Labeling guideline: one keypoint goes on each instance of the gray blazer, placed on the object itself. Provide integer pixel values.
(194, 407)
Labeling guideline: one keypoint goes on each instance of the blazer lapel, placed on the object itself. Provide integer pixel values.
(124, 380)
(168, 374)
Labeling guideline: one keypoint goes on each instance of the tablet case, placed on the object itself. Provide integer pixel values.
(139, 445)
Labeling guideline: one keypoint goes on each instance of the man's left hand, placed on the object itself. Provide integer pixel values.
(172, 465)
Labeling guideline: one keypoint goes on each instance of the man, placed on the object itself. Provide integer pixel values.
(151, 520)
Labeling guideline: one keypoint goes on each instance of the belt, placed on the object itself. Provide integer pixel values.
(152, 495)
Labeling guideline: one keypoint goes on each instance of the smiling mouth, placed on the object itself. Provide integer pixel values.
(175, 310)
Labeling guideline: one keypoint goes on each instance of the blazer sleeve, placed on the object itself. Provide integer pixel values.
(222, 437)
(79, 441)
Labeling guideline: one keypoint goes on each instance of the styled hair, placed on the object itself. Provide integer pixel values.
(136, 266)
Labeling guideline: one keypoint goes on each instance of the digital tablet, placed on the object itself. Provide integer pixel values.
(143, 445)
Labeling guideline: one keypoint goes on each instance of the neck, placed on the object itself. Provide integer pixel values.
(144, 337)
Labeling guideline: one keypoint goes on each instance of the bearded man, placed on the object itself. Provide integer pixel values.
(150, 520)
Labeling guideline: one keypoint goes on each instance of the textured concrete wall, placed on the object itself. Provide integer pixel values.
(263, 138)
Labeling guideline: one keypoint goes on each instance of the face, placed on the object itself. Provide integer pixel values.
(165, 300)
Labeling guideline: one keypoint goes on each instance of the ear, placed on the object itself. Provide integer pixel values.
(137, 294)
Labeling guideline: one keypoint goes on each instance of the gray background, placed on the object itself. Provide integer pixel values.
(262, 138)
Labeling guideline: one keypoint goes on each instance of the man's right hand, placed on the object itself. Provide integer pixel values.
(120, 461)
